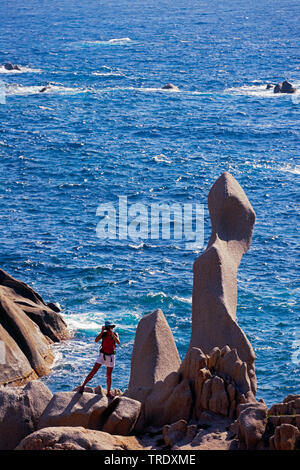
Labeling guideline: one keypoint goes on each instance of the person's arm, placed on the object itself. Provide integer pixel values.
(100, 335)
(115, 337)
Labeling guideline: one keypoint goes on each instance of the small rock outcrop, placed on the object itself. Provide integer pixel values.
(178, 432)
(20, 410)
(283, 424)
(286, 437)
(74, 409)
(91, 411)
(252, 422)
(215, 274)
(154, 354)
(77, 438)
(154, 365)
(170, 86)
(284, 87)
(27, 328)
(122, 413)
(10, 66)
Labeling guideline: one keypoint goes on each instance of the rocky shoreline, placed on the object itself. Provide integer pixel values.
(207, 401)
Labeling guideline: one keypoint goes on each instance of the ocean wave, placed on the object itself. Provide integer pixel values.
(288, 168)
(161, 295)
(161, 158)
(108, 74)
(84, 322)
(24, 69)
(139, 89)
(109, 42)
(291, 169)
(20, 90)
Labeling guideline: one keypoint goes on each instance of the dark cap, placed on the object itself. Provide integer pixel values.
(109, 324)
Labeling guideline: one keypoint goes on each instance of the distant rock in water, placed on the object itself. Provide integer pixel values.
(9, 66)
(284, 87)
(269, 86)
(27, 328)
(45, 88)
(169, 86)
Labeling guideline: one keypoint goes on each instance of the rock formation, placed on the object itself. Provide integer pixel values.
(74, 409)
(215, 270)
(77, 438)
(217, 373)
(286, 437)
(284, 424)
(170, 86)
(284, 87)
(122, 416)
(27, 328)
(252, 422)
(20, 409)
(10, 66)
(154, 354)
(154, 359)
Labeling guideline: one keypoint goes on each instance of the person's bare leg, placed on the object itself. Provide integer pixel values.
(108, 381)
(90, 376)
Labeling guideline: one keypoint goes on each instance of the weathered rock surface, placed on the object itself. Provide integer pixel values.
(215, 284)
(27, 328)
(20, 409)
(175, 432)
(284, 87)
(74, 409)
(252, 422)
(284, 420)
(76, 438)
(122, 413)
(154, 353)
(286, 437)
(154, 379)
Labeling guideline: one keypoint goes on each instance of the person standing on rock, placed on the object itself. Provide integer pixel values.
(106, 356)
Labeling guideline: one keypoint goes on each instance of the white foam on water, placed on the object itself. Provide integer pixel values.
(110, 42)
(161, 159)
(84, 321)
(295, 358)
(137, 247)
(138, 89)
(291, 169)
(288, 168)
(20, 90)
(108, 74)
(187, 300)
(23, 70)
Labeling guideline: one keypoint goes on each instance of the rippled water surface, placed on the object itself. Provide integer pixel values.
(106, 128)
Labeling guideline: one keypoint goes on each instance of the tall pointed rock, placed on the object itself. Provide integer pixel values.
(154, 353)
(215, 273)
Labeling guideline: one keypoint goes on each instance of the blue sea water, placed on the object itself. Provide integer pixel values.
(106, 128)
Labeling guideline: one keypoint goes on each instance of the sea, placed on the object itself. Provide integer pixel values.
(106, 128)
